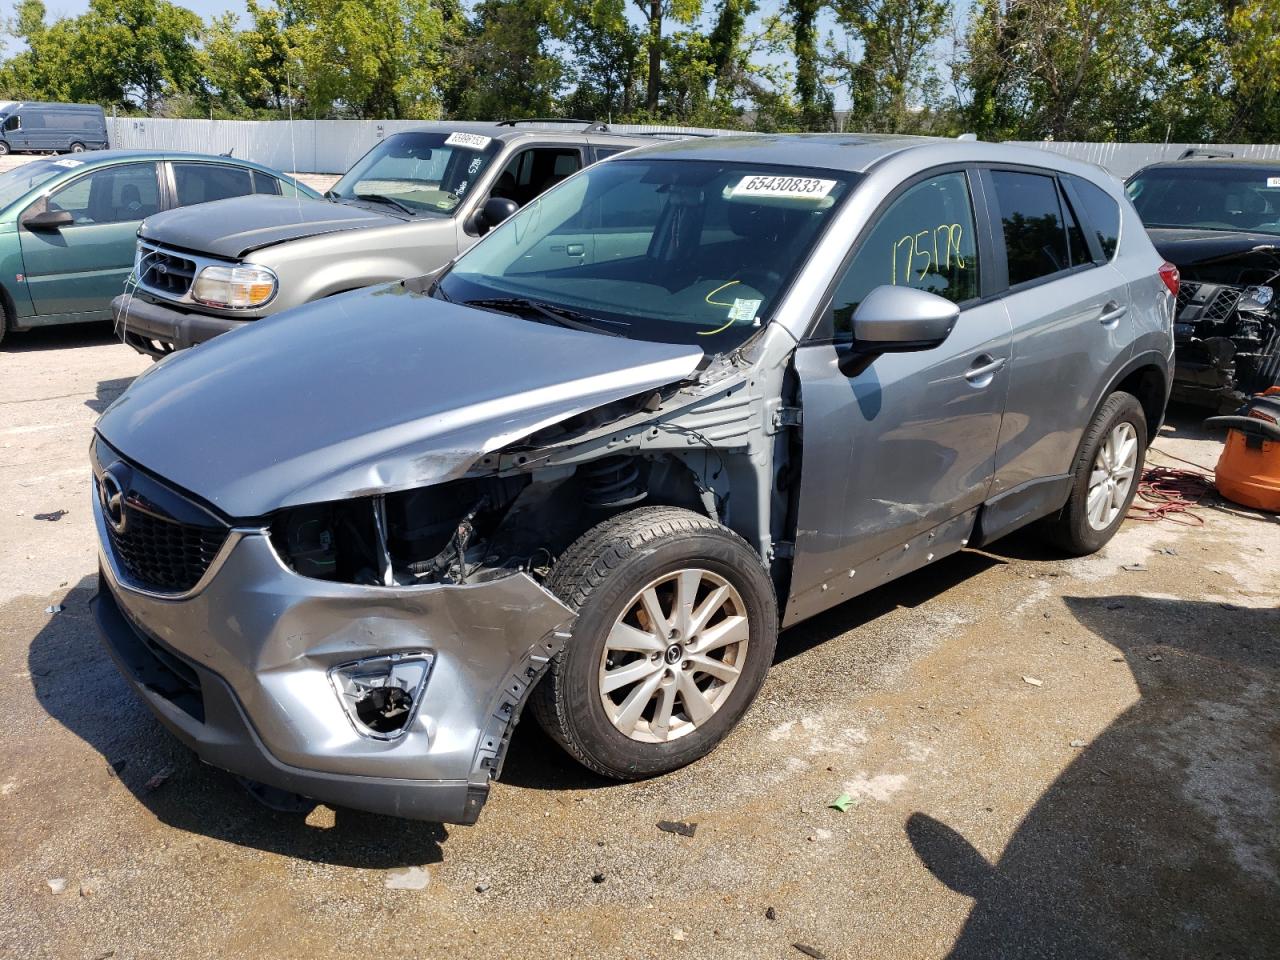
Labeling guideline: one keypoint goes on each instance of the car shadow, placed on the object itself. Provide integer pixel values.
(1159, 839)
(78, 685)
(59, 337)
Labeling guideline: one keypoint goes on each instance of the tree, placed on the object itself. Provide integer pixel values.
(814, 100)
(605, 66)
(508, 57)
(893, 81)
(654, 13)
(249, 68)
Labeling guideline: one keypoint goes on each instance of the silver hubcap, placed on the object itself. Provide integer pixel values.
(673, 657)
(1113, 472)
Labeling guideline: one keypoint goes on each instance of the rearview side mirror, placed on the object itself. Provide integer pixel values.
(494, 211)
(894, 319)
(48, 220)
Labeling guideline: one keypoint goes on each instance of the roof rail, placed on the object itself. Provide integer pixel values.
(1193, 153)
(593, 126)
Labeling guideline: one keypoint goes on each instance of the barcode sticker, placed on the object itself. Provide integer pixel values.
(793, 188)
(1273, 181)
(472, 141)
(68, 163)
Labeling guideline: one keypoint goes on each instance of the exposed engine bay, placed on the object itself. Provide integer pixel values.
(1227, 328)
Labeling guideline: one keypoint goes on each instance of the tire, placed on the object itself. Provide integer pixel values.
(4, 148)
(77, 147)
(603, 576)
(1074, 530)
(4, 321)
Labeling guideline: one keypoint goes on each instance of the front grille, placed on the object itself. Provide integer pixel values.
(165, 272)
(1206, 302)
(164, 555)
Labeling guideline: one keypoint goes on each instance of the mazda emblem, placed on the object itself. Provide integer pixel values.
(111, 496)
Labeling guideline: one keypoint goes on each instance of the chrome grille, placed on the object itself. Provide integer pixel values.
(165, 272)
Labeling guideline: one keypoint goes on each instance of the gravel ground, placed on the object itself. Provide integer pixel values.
(1125, 805)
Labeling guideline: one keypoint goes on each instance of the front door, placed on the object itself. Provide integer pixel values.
(78, 268)
(904, 446)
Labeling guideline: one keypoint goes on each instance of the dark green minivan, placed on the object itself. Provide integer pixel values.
(68, 225)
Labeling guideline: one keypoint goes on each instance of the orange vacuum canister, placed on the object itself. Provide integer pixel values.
(1248, 471)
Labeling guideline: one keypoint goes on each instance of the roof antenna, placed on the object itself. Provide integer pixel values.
(228, 153)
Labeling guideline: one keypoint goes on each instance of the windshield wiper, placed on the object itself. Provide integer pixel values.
(562, 316)
(382, 198)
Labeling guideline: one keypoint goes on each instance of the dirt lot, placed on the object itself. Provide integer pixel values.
(1126, 805)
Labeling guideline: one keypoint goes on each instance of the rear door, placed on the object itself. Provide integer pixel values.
(77, 269)
(904, 445)
(1069, 310)
(202, 181)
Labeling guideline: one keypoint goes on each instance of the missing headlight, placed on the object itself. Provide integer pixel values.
(411, 536)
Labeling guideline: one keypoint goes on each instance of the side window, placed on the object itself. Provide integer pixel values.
(203, 182)
(1101, 213)
(265, 183)
(533, 171)
(1036, 226)
(13, 123)
(926, 239)
(114, 195)
(602, 152)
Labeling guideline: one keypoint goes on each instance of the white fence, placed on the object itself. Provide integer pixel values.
(304, 146)
(332, 146)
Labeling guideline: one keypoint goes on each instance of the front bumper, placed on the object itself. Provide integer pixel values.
(156, 329)
(238, 669)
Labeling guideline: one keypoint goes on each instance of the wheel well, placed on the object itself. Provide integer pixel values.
(1148, 385)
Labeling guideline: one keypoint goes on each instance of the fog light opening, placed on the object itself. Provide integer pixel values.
(381, 694)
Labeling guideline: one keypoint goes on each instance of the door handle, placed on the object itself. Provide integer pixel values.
(1112, 313)
(984, 369)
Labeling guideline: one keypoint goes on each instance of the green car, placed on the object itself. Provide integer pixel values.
(68, 225)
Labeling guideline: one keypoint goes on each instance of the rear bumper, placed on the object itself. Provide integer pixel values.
(156, 329)
(238, 669)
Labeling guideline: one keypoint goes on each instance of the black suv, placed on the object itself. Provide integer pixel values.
(1218, 220)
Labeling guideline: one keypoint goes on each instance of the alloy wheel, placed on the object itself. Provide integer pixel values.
(673, 656)
(1114, 469)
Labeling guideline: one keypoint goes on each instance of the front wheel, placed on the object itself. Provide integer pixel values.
(1105, 477)
(677, 623)
(77, 147)
(4, 149)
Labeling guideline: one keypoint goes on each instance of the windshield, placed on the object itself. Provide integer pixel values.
(419, 173)
(677, 251)
(15, 183)
(1209, 198)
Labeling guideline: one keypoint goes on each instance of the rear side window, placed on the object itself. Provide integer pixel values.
(1101, 212)
(202, 182)
(1036, 226)
(265, 183)
(926, 239)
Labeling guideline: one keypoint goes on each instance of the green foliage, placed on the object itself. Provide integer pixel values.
(1185, 70)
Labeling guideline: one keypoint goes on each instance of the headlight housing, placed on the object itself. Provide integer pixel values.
(237, 288)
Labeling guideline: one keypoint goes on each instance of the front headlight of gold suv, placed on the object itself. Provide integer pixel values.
(234, 287)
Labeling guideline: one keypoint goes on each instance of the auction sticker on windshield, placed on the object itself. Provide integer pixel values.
(1273, 181)
(793, 188)
(472, 141)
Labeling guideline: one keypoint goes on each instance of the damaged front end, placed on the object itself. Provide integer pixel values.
(1227, 328)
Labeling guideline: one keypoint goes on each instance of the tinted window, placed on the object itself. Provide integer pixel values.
(265, 183)
(1035, 235)
(1101, 213)
(534, 171)
(13, 123)
(926, 240)
(114, 195)
(202, 182)
(1208, 197)
(700, 254)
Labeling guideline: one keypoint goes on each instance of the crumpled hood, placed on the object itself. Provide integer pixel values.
(376, 390)
(1187, 248)
(231, 228)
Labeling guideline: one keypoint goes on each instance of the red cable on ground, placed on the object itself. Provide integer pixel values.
(1172, 493)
